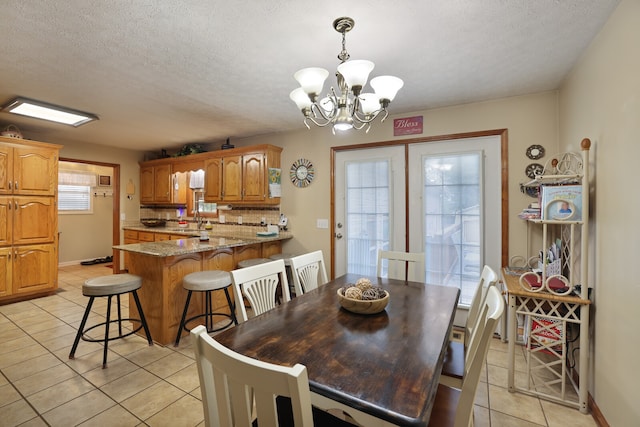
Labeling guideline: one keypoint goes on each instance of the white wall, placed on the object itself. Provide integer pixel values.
(601, 101)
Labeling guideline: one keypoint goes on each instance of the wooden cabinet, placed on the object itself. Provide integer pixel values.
(213, 179)
(238, 175)
(28, 218)
(159, 184)
(28, 170)
(35, 268)
(5, 271)
(241, 175)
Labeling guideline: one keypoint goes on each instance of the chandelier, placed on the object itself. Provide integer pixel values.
(349, 107)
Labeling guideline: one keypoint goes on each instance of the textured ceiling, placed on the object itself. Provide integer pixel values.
(163, 73)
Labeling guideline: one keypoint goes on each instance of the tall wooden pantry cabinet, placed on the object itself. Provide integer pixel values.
(28, 219)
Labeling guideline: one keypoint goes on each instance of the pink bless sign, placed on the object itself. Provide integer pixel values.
(407, 126)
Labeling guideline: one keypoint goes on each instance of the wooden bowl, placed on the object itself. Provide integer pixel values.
(153, 222)
(363, 306)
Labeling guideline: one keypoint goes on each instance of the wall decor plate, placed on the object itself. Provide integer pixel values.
(534, 169)
(535, 152)
(301, 173)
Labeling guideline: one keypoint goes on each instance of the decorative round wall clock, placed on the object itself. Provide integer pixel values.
(535, 152)
(301, 173)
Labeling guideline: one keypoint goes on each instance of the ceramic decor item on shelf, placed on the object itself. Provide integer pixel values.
(11, 131)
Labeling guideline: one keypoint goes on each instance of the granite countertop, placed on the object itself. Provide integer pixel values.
(190, 244)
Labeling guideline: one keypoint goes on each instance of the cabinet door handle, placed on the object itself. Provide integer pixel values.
(10, 186)
(15, 185)
(16, 205)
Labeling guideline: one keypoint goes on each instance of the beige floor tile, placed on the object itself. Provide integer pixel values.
(481, 417)
(31, 366)
(497, 375)
(186, 411)
(44, 379)
(10, 331)
(79, 409)
(128, 345)
(54, 343)
(63, 392)
(516, 404)
(8, 394)
(482, 395)
(16, 413)
(116, 368)
(149, 354)
(186, 379)
(17, 343)
(88, 357)
(560, 416)
(20, 355)
(498, 419)
(500, 358)
(169, 364)
(35, 422)
(152, 400)
(130, 384)
(114, 416)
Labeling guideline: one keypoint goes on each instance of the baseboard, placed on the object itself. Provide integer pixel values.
(597, 415)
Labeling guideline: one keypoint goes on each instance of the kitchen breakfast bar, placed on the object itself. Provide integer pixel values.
(163, 264)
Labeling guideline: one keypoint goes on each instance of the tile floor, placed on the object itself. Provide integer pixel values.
(158, 386)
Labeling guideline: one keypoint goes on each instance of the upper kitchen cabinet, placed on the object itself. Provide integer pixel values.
(237, 175)
(241, 175)
(158, 184)
(27, 169)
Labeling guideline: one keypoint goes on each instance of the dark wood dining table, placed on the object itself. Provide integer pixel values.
(382, 369)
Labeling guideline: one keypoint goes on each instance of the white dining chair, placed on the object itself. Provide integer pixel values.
(259, 284)
(453, 406)
(402, 265)
(308, 272)
(237, 390)
(230, 382)
(456, 356)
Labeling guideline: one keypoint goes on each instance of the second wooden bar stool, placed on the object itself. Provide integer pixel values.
(207, 281)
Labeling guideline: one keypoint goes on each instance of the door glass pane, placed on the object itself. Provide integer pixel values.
(368, 196)
(452, 222)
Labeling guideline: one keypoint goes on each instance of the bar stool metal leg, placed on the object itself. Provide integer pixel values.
(232, 306)
(83, 323)
(106, 331)
(143, 320)
(182, 321)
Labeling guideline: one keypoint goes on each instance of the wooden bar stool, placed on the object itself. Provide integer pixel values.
(207, 281)
(108, 286)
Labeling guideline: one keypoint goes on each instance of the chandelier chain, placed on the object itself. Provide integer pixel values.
(344, 55)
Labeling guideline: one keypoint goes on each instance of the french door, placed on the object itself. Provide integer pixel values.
(454, 208)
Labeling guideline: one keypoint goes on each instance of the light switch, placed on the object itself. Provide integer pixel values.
(322, 223)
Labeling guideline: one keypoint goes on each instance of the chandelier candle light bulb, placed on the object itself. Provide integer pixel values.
(350, 108)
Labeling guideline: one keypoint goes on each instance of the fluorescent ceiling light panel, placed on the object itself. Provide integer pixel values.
(45, 111)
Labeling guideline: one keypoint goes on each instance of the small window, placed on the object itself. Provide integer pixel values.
(74, 199)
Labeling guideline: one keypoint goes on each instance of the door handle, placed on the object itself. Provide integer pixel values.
(338, 235)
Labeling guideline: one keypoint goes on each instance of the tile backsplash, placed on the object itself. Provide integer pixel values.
(247, 216)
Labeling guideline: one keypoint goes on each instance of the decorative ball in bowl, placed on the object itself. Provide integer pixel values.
(363, 298)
